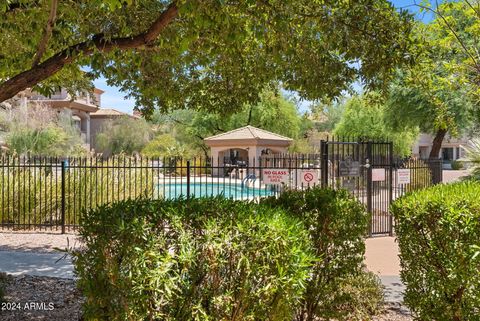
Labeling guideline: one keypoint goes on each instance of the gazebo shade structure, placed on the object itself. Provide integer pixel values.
(245, 145)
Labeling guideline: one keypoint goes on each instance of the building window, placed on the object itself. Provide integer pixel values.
(458, 152)
(447, 154)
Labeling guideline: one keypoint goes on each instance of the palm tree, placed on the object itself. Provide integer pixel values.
(473, 156)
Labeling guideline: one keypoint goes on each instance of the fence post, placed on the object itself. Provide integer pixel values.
(369, 183)
(324, 162)
(64, 166)
(188, 179)
(390, 150)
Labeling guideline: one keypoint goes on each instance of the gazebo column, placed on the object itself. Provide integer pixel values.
(254, 154)
(215, 153)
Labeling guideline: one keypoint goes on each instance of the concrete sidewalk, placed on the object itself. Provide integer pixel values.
(39, 264)
(381, 257)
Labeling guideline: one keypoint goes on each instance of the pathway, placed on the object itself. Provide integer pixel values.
(38, 264)
(381, 257)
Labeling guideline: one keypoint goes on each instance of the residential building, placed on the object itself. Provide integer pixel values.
(451, 147)
(85, 109)
(81, 106)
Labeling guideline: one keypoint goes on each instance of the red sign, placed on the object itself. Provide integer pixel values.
(275, 176)
(309, 176)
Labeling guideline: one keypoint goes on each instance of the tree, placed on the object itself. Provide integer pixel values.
(326, 115)
(207, 54)
(123, 135)
(364, 117)
(274, 112)
(440, 93)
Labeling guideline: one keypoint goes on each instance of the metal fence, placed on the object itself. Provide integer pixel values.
(53, 193)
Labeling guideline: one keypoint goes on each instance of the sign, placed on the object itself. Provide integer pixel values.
(403, 176)
(309, 176)
(349, 168)
(275, 176)
(349, 184)
(378, 174)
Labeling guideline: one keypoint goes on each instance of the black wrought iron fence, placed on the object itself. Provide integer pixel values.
(53, 193)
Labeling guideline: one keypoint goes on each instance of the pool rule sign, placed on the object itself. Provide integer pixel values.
(275, 176)
(309, 177)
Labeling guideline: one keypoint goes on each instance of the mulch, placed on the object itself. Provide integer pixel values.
(40, 298)
(47, 298)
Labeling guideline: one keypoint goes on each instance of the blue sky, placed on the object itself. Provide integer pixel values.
(113, 98)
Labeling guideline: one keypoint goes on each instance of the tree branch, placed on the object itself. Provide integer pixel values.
(42, 45)
(459, 40)
(54, 64)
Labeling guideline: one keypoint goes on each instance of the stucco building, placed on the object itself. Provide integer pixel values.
(244, 146)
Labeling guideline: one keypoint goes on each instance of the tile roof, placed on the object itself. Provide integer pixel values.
(248, 132)
(110, 112)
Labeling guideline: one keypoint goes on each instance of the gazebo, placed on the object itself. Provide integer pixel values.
(243, 146)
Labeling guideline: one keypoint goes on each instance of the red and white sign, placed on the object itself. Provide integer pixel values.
(378, 174)
(275, 176)
(403, 176)
(309, 177)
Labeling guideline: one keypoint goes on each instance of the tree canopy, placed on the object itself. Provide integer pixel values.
(274, 112)
(364, 117)
(208, 54)
(439, 94)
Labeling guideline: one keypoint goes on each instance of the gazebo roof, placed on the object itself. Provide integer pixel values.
(248, 133)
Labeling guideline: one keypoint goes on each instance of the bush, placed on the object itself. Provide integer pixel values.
(438, 230)
(337, 224)
(205, 259)
(456, 165)
(123, 135)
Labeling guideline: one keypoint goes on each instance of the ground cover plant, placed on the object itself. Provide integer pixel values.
(206, 259)
(337, 225)
(438, 231)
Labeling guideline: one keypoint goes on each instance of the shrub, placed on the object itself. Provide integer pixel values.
(457, 165)
(361, 296)
(205, 259)
(473, 157)
(123, 135)
(337, 224)
(438, 230)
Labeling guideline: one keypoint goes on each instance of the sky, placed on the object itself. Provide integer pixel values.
(114, 98)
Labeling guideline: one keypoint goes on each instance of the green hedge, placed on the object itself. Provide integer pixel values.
(206, 259)
(337, 225)
(438, 230)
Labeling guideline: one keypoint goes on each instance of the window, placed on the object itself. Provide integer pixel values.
(447, 154)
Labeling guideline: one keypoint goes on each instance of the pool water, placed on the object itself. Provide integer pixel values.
(235, 191)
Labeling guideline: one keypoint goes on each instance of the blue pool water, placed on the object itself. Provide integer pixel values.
(235, 191)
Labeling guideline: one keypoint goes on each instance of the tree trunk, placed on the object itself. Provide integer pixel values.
(54, 64)
(437, 143)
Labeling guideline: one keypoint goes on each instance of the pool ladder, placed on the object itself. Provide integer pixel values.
(250, 177)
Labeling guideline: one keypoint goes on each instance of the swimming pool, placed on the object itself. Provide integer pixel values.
(235, 191)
